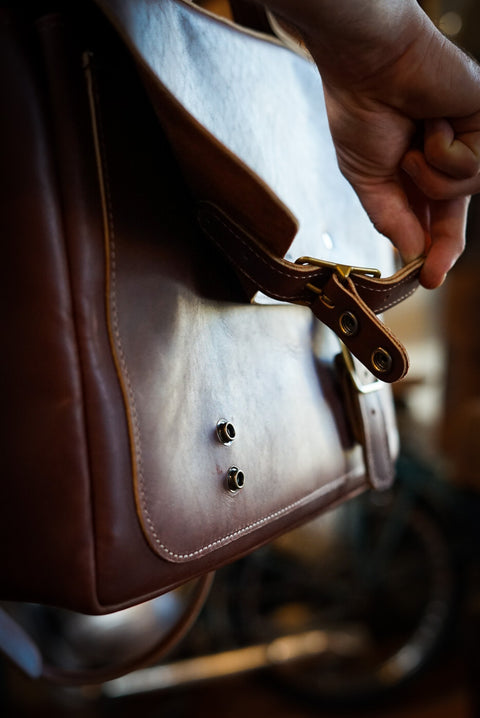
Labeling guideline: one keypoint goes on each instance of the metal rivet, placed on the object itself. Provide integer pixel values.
(235, 479)
(348, 324)
(381, 360)
(226, 432)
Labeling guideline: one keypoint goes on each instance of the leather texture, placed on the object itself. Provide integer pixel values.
(130, 335)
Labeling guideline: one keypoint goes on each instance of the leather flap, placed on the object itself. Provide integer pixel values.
(247, 118)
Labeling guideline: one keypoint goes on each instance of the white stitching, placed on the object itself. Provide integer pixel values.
(271, 265)
(394, 303)
(370, 288)
(137, 440)
(216, 543)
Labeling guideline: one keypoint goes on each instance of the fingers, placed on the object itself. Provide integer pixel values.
(457, 155)
(447, 237)
(447, 173)
(391, 212)
(443, 223)
(434, 183)
(449, 165)
(418, 226)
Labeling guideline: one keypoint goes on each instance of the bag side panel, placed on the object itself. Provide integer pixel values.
(45, 515)
(66, 46)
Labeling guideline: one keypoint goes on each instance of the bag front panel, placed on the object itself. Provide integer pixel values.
(187, 359)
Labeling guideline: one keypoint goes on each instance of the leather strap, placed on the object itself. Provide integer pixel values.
(22, 650)
(345, 299)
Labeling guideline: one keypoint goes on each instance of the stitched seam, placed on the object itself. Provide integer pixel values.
(396, 301)
(115, 324)
(369, 288)
(216, 543)
(118, 338)
(290, 275)
(256, 282)
(270, 264)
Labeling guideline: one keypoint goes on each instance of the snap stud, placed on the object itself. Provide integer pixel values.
(381, 360)
(235, 479)
(225, 432)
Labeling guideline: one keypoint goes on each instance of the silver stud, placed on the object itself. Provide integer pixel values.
(225, 432)
(235, 479)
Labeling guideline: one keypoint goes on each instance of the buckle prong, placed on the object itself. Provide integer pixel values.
(323, 297)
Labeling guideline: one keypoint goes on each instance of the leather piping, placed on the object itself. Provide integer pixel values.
(110, 287)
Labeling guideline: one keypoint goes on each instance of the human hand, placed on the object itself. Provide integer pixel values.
(417, 197)
(390, 81)
(447, 171)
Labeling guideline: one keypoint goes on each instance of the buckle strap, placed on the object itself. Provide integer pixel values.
(349, 316)
(346, 299)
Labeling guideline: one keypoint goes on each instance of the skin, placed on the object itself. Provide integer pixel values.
(404, 110)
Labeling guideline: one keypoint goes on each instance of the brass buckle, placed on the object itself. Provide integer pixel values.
(374, 385)
(343, 270)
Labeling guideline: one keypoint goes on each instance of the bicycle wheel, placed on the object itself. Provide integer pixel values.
(372, 586)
